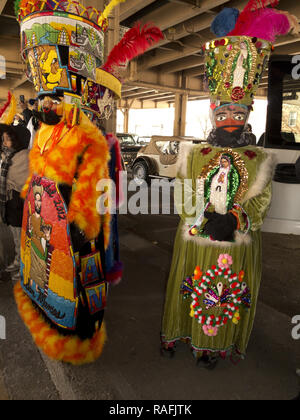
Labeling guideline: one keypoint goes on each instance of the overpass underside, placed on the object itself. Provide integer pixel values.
(170, 74)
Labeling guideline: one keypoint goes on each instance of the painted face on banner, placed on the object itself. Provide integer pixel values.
(231, 117)
(46, 70)
(51, 72)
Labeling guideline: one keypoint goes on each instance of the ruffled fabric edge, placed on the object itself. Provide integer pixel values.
(232, 352)
(69, 349)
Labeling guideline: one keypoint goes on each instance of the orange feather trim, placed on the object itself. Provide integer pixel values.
(69, 349)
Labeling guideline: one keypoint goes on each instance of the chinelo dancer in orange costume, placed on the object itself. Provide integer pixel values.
(62, 294)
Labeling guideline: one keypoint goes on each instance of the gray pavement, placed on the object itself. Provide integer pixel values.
(131, 367)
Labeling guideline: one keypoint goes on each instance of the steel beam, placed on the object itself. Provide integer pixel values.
(156, 96)
(137, 94)
(197, 23)
(164, 87)
(179, 65)
(130, 7)
(173, 14)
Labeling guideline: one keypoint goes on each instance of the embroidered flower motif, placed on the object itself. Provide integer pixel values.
(236, 318)
(237, 94)
(197, 273)
(218, 287)
(250, 154)
(206, 150)
(210, 331)
(224, 261)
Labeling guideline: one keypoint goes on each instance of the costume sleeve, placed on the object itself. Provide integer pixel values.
(115, 171)
(83, 204)
(257, 207)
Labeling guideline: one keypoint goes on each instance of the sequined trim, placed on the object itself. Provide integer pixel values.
(234, 67)
(238, 164)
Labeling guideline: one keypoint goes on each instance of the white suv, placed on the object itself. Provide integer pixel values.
(158, 158)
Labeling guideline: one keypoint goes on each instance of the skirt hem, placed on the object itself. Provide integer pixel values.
(231, 352)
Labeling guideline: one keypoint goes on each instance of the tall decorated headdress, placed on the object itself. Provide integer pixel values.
(62, 44)
(235, 61)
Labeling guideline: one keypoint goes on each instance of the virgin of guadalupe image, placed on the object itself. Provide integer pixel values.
(39, 233)
(219, 185)
(239, 72)
(217, 190)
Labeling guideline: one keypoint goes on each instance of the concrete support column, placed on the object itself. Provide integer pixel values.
(180, 109)
(126, 120)
(125, 112)
(180, 114)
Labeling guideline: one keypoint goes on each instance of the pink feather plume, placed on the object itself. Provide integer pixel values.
(135, 42)
(256, 20)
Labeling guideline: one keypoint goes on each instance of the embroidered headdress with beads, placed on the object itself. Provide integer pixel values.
(235, 61)
(62, 44)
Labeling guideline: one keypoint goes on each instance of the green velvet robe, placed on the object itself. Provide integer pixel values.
(255, 169)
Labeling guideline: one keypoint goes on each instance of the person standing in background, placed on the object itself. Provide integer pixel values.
(13, 175)
(29, 118)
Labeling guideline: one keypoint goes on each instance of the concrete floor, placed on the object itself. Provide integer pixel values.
(131, 367)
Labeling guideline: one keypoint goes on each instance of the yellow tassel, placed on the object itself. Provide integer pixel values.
(74, 116)
(108, 10)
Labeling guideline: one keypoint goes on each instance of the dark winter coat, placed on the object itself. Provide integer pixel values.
(17, 173)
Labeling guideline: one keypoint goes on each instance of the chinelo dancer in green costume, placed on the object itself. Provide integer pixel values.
(223, 192)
